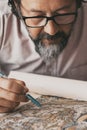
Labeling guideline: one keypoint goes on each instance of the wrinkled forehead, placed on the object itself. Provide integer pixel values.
(46, 5)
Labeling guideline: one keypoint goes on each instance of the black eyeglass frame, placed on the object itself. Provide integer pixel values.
(49, 18)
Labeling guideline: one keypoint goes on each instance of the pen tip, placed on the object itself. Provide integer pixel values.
(33, 100)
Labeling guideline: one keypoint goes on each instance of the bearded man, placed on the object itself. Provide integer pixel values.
(44, 37)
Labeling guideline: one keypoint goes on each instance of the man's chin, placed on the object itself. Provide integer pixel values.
(48, 52)
(49, 47)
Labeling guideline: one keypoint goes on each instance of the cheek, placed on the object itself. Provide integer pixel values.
(34, 32)
(67, 29)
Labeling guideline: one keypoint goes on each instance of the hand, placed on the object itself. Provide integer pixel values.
(12, 92)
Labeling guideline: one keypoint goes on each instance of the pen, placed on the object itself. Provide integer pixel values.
(33, 100)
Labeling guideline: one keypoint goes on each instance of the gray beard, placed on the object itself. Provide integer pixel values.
(48, 53)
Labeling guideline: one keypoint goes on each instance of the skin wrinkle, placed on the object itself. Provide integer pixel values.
(38, 6)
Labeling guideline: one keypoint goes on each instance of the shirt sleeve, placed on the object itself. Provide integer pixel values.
(4, 10)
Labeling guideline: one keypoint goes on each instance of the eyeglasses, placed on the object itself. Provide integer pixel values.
(41, 21)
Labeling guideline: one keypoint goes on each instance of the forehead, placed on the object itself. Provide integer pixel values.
(46, 4)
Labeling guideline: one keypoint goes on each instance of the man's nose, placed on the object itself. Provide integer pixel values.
(51, 28)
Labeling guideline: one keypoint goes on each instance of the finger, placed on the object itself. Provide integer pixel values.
(22, 83)
(8, 104)
(12, 85)
(5, 109)
(12, 96)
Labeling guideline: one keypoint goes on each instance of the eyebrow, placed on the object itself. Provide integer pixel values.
(64, 7)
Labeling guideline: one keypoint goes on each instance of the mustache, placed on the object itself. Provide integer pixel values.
(51, 37)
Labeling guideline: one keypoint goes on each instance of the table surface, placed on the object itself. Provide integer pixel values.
(55, 114)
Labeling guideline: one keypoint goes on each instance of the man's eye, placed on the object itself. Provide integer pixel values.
(36, 20)
(62, 12)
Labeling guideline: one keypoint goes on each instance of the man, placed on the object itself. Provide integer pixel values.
(44, 37)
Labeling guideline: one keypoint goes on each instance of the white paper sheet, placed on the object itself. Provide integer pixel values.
(47, 85)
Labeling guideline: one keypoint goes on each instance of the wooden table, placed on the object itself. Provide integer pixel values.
(55, 114)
